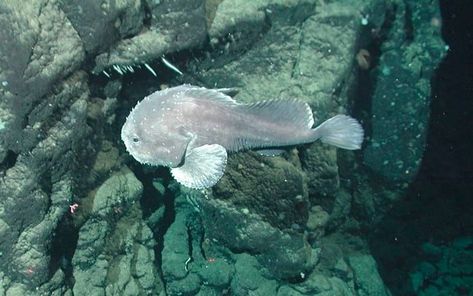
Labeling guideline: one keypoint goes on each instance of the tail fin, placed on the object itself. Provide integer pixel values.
(342, 131)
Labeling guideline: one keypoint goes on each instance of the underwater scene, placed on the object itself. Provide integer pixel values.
(236, 147)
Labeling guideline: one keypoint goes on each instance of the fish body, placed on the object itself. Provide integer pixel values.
(190, 129)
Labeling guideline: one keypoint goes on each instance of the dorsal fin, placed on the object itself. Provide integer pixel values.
(206, 93)
(290, 111)
(196, 92)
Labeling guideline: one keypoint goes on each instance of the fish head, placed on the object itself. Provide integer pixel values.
(153, 141)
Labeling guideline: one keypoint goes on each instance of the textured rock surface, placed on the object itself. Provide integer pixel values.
(114, 253)
(291, 217)
(102, 23)
(397, 126)
(367, 279)
(401, 99)
(445, 270)
(41, 130)
(170, 26)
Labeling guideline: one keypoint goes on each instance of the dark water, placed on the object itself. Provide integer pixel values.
(439, 205)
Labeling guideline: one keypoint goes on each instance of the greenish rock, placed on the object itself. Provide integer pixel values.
(318, 218)
(431, 250)
(342, 270)
(189, 285)
(119, 191)
(210, 291)
(249, 278)
(176, 250)
(317, 284)
(131, 288)
(115, 249)
(465, 242)
(92, 280)
(425, 273)
(341, 209)
(401, 99)
(366, 276)
(218, 273)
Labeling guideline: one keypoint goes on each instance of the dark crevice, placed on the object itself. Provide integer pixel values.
(148, 14)
(366, 79)
(63, 246)
(152, 200)
(437, 206)
(9, 161)
(408, 24)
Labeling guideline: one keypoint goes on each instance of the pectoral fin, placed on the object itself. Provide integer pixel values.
(203, 166)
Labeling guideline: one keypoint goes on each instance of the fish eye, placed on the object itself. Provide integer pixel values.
(135, 139)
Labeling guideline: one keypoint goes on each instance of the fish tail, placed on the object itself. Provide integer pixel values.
(341, 131)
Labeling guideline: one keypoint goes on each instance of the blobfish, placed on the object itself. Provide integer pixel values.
(192, 129)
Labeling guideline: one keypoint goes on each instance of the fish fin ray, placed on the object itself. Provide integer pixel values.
(218, 95)
(341, 131)
(203, 166)
(287, 111)
(196, 92)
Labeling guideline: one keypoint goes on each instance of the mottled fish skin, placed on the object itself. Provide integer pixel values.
(162, 125)
(168, 125)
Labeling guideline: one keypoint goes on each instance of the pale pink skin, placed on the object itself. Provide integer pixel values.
(165, 123)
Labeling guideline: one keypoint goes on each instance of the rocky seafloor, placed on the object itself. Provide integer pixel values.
(79, 216)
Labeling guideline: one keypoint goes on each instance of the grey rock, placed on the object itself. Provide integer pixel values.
(266, 48)
(34, 56)
(248, 18)
(38, 186)
(269, 187)
(173, 26)
(320, 163)
(217, 272)
(115, 249)
(285, 254)
(40, 131)
(100, 24)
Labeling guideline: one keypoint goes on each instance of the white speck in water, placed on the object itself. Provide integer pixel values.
(4, 83)
(364, 20)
